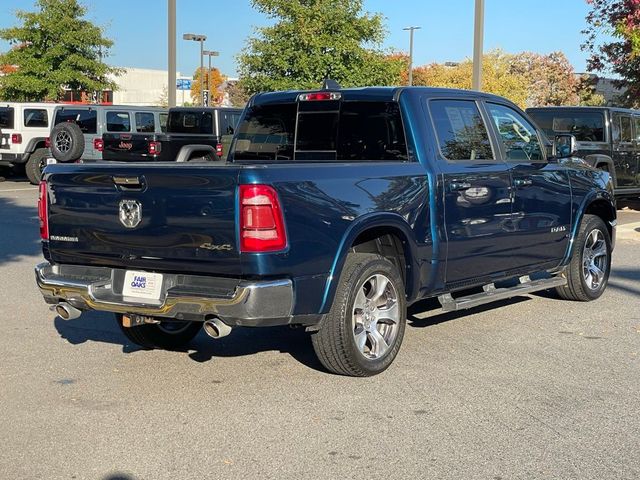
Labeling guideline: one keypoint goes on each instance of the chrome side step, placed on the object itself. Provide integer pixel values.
(491, 293)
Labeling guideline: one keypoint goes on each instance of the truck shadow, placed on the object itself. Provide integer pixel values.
(102, 327)
(18, 231)
(416, 313)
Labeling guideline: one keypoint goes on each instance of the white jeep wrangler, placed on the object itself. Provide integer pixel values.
(24, 128)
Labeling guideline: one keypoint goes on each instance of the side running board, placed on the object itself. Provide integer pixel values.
(491, 293)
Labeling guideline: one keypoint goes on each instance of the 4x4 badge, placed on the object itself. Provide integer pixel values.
(130, 213)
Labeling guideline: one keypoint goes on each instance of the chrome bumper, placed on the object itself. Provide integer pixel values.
(184, 297)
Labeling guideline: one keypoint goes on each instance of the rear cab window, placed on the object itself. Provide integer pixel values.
(6, 117)
(35, 118)
(86, 119)
(327, 130)
(461, 131)
(585, 126)
(118, 121)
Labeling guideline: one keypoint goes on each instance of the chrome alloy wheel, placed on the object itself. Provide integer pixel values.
(594, 259)
(63, 142)
(376, 316)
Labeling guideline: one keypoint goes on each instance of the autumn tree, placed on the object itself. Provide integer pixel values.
(613, 43)
(213, 80)
(497, 77)
(312, 39)
(53, 48)
(550, 79)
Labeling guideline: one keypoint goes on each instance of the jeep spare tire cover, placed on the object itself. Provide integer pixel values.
(67, 142)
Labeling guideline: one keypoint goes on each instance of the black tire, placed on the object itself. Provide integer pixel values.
(580, 287)
(67, 142)
(165, 335)
(335, 341)
(35, 165)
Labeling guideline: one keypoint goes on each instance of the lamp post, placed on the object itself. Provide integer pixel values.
(478, 34)
(171, 84)
(210, 53)
(411, 30)
(198, 38)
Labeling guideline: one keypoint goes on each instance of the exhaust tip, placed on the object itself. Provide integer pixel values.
(66, 311)
(216, 328)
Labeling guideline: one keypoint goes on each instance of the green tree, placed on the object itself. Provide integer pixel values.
(312, 39)
(613, 42)
(54, 47)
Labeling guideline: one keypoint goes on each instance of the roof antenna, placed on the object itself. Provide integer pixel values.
(330, 84)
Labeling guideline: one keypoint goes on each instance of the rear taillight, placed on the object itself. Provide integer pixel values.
(154, 148)
(47, 142)
(219, 149)
(43, 211)
(98, 144)
(261, 221)
(16, 138)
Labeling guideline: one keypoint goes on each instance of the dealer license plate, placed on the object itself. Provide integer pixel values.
(142, 285)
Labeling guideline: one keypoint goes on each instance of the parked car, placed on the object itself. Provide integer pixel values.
(94, 121)
(335, 210)
(608, 138)
(24, 128)
(191, 133)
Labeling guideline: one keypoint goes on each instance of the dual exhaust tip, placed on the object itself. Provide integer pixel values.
(213, 327)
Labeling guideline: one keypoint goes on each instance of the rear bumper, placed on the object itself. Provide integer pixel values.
(184, 297)
(13, 158)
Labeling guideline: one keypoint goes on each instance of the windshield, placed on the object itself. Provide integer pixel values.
(322, 130)
(585, 126)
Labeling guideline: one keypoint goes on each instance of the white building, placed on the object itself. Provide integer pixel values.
(144, 86)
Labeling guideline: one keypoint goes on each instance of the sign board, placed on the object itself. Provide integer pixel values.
(183, 84)
(205, 98)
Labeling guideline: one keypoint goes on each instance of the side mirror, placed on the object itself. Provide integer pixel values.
(565, 146)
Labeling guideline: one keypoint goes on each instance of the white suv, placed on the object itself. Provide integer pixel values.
(24, 128)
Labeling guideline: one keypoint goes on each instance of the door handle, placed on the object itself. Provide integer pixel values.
(522, 182)
(457, 186)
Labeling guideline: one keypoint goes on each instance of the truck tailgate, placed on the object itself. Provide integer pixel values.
(179, 218)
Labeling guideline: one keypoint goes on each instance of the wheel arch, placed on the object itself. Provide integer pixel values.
(600, 160)
(387, 234)
(600, 204)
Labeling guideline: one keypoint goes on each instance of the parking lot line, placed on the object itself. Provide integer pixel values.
(18, 189)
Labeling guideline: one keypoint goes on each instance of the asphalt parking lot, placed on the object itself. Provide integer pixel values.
(533, 387)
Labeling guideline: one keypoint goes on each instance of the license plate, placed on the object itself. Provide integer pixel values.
(51, 161)
(142, 285)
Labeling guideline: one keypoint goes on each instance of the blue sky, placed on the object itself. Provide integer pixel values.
(138, 28)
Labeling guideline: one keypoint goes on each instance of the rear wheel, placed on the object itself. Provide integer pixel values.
(167, 335)
(362, 333)
(35, 165)
(588, 271)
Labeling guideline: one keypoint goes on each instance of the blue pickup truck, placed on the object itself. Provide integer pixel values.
(335, 210)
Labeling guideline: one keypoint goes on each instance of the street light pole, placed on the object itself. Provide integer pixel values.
(210, 53)
(411, 30)
(201, 39)
(478, 36)
(171, 86)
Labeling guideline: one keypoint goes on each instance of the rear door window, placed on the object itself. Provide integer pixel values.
(145, 122)
(118, 122)
(35, 118)
(462, 133)
(626, 131)
(85, 119)
(191, 122)
(6, 117)
(322, 131)
(163, 121)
